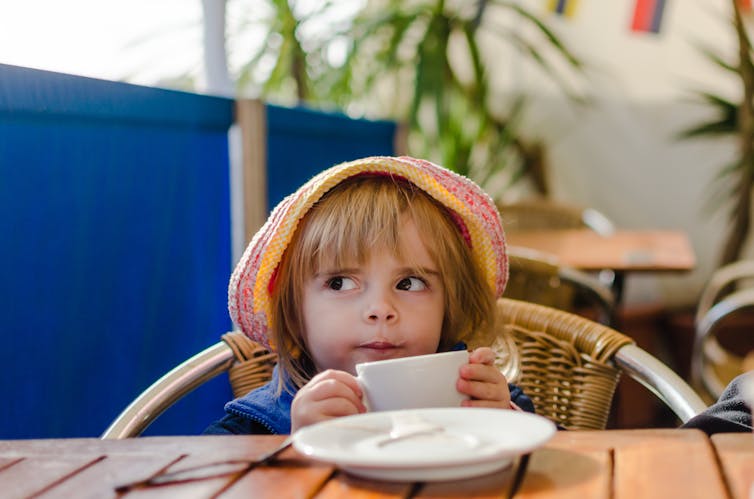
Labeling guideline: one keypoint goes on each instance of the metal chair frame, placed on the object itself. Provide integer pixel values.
(706, 348)
(713, 307)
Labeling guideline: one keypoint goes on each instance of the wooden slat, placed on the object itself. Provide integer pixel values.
(736, 454)
(344, 486)
(35, 474)
(301, 479)
(213, 452)
(290, 475)
(252, 118)
(568, 473)
(491, 486)
(6, 462)
(400, 139)
(101, 478)
(668, 467)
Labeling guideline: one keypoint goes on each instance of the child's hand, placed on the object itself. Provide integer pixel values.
(483, 382)
(329, 394)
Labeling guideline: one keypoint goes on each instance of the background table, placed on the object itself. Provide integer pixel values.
(599, 464)
(622, 252)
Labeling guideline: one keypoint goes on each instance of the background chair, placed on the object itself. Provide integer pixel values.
(568, 364)
(728, 295)
(538, 278)
(543, 213)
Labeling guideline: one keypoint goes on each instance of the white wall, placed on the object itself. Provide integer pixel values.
(620, 155)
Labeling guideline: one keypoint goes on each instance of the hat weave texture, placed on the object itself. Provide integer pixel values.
(249, 299)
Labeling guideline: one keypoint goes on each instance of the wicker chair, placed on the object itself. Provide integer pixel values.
(728, 293)
(538, 278)
(540, 213)
(568, 364)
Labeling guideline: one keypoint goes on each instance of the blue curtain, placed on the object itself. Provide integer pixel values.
(114, 215)
(302, 142)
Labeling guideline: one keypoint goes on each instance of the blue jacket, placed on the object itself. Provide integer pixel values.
(263, 411)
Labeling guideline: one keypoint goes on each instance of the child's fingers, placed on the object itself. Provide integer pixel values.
(482, 355)
(340, 377)
(485, 385)
(329, 394)
(337, 407)
(491, 404)
(332, 384)
(484, 391)
(482, 372)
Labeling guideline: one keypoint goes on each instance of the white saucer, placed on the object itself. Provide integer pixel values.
(474, 442)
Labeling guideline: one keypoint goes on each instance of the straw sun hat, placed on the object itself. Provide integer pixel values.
(471, 208)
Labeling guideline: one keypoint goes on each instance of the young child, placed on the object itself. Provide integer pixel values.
(372, 259)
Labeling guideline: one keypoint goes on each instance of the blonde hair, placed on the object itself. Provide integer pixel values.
(364, 214)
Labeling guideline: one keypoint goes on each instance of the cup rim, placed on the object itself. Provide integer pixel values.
(411, 358)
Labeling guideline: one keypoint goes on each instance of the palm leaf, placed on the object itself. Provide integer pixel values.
(553, 39)
(715, 58)
(523, 45)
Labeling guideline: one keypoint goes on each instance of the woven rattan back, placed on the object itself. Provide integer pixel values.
(543, 213)
(535, 278)
(253, 364)
(564, 362)
(537, 214)
(538, 278)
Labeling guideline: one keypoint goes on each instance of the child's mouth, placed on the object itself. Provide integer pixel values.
(379, 345)
(380, 350)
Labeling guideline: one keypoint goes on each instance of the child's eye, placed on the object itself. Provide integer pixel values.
(411, 284)
(340, 283)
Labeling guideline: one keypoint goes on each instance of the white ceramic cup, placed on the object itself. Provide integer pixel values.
(412, 382)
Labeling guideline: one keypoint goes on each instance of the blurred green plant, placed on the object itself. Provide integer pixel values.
(734, 182)
(425, 63)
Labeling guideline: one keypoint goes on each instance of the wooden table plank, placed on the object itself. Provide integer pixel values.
(736, 454)
(495, 485)
(665, 466)
(101, 478)
(581, 464)
(205, 456)
(8, 461)
(35, 474)
(344, 486)
(291, 475)
(568, 473)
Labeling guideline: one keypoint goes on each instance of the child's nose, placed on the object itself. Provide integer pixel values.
(380, 309)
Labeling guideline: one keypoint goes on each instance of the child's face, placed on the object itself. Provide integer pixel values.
(381, 309)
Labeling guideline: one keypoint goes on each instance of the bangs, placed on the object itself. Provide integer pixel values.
(357, 217)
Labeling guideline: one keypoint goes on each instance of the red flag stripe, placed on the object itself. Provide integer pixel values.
(648, 15)
(643, 15)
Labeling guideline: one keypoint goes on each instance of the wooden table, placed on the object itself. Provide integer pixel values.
(623, 251)
(600, 464)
